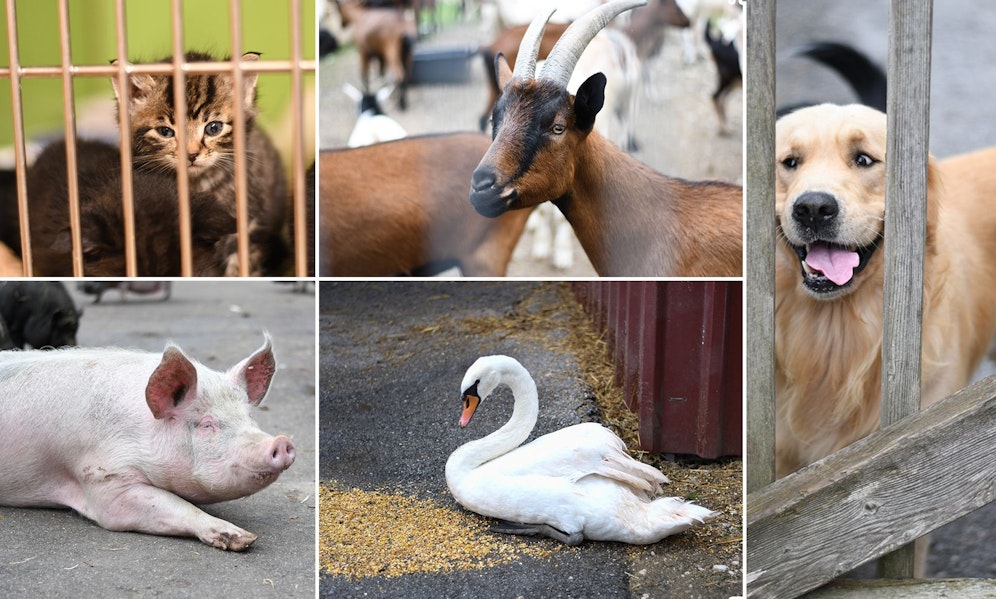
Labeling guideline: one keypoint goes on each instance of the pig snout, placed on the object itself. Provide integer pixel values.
(281, 454)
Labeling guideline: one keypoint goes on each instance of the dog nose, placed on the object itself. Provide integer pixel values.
(814, 209)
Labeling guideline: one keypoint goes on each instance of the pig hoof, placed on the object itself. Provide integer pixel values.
(238, 540)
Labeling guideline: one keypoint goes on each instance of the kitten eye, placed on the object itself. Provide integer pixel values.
(213, 128)
(165, 131)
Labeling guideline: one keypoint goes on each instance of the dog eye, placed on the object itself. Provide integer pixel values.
(791, 162)
(864, 160)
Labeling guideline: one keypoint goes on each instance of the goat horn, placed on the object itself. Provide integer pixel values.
(564, 56)
(525, 63)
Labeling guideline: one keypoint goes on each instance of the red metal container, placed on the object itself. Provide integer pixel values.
(678, 350)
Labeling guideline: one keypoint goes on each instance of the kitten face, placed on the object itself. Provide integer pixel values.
(210, 110)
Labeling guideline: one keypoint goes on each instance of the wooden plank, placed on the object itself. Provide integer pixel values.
(906, 589)
(873, 496)
(908, 109)
(759, 86)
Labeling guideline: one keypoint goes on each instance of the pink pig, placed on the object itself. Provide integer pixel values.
(133, 440)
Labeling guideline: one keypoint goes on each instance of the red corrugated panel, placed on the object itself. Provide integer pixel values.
(677, 346)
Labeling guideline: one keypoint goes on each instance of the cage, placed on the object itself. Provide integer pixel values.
(55, 75)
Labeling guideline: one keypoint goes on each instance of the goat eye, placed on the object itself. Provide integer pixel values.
(791, 162)
(558, 129)
(864, 160)
(165, 131)
(213, 128)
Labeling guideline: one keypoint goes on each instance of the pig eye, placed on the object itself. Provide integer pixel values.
(207, 424)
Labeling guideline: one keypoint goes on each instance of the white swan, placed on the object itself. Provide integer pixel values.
(573, 484)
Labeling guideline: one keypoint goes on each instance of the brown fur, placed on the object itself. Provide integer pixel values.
(630, 219)
(828, 351)
(394, 207)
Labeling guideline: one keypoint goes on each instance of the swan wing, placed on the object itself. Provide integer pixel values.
(577, 452)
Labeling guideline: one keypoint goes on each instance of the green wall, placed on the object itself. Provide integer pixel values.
(265, 29)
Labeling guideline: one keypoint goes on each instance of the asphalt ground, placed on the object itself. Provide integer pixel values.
(391, 358)
(962, 84)
(57, 553)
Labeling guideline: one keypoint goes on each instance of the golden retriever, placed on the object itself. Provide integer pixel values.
(830, 206)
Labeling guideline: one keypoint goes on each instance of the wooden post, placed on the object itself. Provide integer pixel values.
(760, 265)
(908, 108)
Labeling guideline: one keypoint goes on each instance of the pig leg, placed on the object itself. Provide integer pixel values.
(148, 509)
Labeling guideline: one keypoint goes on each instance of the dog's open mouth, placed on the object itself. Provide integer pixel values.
(828, 267)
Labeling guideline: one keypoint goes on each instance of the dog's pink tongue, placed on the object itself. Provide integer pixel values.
(836, 263)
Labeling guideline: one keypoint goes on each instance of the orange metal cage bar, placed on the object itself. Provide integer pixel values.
(296, 67)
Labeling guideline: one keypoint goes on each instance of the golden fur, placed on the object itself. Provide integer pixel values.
(828, 345)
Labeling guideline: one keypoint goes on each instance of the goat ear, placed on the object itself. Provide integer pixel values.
(588, 101)
(503, 71)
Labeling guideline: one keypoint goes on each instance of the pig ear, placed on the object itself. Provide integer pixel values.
(255, 372)
(174, 380)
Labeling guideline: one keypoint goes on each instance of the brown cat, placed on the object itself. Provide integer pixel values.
(210, 152)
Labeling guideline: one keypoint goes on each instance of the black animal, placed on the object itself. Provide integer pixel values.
(39, 313)
(866, 79)
(9, 233)
(727, 60)
(5, 341)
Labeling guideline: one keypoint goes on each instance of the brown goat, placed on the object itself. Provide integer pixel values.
(631, 220)
(646, 27)
(400, 207)
(381, 34)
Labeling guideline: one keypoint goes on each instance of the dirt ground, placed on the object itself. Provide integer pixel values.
(676, 125)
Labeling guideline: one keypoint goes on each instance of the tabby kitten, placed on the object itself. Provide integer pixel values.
(210, 153)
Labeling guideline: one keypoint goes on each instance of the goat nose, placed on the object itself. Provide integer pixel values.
(483, 179)
(815, 209)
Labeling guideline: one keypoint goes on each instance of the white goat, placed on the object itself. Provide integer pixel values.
(700, 12)
(612, 53)
(372, 126)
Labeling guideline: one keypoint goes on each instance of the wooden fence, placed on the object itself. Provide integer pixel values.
(919, 471)
(677, 346)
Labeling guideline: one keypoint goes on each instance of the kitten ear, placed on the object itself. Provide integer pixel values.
(249, 81)
(141, 85)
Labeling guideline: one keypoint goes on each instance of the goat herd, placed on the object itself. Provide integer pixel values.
(585, 112)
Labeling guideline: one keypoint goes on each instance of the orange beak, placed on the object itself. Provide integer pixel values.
(470, 403)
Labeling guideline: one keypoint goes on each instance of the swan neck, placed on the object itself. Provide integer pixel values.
(475, 453)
